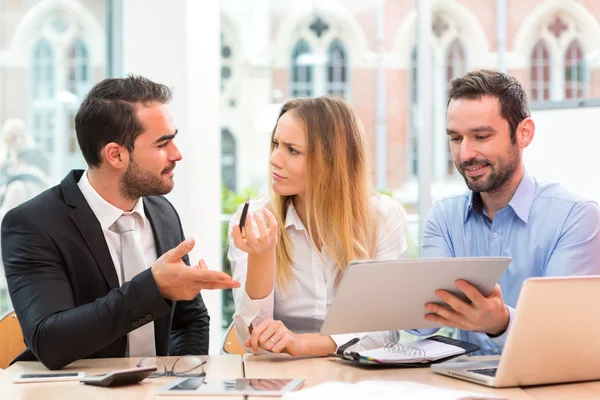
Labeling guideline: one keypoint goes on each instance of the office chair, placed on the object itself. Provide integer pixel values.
(11, 338)
(231, 343)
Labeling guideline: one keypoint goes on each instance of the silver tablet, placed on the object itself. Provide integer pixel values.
(386, 295)
(231, 387)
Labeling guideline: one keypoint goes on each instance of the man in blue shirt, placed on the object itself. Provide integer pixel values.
(546, 229)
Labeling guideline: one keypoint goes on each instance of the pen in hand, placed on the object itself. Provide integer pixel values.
(244, 213)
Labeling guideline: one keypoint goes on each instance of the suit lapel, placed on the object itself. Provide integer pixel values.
(89, 227)
(160, 229)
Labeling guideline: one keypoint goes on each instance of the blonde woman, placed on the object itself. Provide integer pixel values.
(322, 214)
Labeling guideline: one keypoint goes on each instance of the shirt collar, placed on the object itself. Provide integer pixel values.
(520, 202)
(292, 218)
(523, 198)
(106, 213)
(474, 205)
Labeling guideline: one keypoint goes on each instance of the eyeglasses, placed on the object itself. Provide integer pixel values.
(186, 366)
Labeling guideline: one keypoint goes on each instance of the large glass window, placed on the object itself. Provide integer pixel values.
(337, 70)
(228, 173)
(302, 83)
(42, 94)
(456, 66)
(575, 73)
(541, 74)
(52, 55)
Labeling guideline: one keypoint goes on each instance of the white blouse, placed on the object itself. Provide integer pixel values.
(307, 298)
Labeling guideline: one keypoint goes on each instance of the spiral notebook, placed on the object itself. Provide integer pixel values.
(420, 353)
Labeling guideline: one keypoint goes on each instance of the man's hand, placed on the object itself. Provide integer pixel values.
(483, 314)
(177, 281)
(273, 336)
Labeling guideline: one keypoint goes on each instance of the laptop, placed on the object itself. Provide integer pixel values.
(554, 338)
(391, 294)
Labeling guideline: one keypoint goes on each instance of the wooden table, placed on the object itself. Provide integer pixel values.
(226, 367)
(570, 391)
(319, 370)
(313, 370)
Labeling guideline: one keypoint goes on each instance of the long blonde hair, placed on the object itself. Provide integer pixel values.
(339, 189)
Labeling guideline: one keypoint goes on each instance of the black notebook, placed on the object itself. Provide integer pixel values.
(420, 353)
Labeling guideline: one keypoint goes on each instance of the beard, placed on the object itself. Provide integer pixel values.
(499, 173)
(138, 182)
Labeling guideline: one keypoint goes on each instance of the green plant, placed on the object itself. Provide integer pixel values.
(385, 191)
(231, 201)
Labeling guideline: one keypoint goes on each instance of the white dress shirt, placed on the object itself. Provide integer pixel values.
(307, 298)
(108, 214)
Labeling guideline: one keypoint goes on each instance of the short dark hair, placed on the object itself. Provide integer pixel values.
(507, 89)
(108, 113)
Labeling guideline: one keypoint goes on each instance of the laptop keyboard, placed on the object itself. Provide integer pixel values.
(485, 371)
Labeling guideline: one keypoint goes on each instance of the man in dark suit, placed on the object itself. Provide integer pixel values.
(88, 263)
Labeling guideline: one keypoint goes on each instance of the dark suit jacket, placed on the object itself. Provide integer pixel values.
(64, 286)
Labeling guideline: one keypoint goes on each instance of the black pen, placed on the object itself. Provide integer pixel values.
(244, 212)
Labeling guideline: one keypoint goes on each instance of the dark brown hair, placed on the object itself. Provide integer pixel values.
(108, 113)
(507, 89)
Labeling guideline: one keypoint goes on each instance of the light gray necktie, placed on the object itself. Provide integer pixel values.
(133, 262)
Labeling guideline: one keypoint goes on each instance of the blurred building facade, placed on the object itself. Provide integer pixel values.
(53, 51)
(51, 54)
(276, 50)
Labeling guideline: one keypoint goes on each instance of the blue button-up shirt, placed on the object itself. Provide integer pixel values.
(545, 229)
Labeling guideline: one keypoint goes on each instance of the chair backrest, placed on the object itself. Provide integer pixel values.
(231, 344)
(11, 338)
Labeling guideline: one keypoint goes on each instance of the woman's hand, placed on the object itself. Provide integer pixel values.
(252, 243)
(273, 336)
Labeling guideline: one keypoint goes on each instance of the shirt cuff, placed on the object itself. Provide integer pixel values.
(251, 311)
(500, 340)
(344, 338)
(422, 332)
(368, 340)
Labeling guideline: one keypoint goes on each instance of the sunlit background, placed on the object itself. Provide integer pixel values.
(232, 63)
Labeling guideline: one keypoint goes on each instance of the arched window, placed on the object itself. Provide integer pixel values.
(78, 69)
(78, 84)
(337, 69)
(228, 157)
(43, 86)
(541, 76)
(43, 70)
(302, 83)
(575, 79)
(456, 66)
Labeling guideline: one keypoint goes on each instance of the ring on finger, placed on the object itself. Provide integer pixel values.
(273, 341)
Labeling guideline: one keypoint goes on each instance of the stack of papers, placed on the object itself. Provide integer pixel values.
(382, 390)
